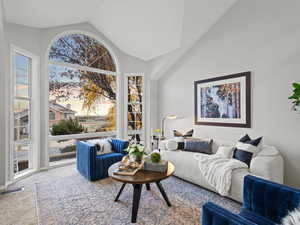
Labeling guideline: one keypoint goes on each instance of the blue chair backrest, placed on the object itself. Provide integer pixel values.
(269, 199)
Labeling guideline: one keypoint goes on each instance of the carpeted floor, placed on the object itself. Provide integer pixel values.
(63, 197)
(74, 200)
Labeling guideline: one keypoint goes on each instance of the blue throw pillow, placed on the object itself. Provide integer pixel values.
(198, 145)
(119, 145)
(246, 148)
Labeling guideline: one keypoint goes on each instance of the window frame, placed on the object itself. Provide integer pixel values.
(142, 131)
(118, 132)
(33, 102)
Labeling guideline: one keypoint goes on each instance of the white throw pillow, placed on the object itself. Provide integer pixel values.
(103, 144)
(179, 139)
(225, 151)
(171, 145)
(293, 218)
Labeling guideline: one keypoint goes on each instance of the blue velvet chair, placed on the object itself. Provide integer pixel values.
(265, 203)
(93, 166)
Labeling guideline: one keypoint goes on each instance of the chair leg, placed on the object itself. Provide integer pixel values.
(120, 192)
(163, 193)
(148, 186)
(137, 189)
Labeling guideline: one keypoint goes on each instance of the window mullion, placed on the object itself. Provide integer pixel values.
(84, 68)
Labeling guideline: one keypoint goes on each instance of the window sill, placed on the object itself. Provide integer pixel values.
(61, 163)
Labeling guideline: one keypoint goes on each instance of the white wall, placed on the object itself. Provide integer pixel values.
(199, 16)
(260, 36)
(3, 111)
(37, 41)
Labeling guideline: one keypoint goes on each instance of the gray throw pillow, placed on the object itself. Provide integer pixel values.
(198, 145)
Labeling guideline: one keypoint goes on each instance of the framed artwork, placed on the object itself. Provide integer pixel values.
(224, 101)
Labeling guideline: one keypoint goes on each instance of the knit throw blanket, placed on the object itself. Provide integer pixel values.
(218, 171)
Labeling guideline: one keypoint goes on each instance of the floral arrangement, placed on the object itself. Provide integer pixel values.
(136, 152)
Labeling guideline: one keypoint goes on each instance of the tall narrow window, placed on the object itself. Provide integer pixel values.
(82, 94)
(135, 107)
(21, 103)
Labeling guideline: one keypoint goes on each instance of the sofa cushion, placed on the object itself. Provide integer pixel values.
(103, 162)
(198, 145)
(119, 145)
(109, 156)
(268, 151)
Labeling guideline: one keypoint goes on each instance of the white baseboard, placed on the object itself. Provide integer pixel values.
(2, 188)
(32, 172)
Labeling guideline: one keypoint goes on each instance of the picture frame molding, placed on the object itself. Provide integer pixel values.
(247, 124)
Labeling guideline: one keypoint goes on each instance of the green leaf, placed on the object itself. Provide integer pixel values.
(296, 86)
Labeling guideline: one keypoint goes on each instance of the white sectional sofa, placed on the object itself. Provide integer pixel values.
(267, 164)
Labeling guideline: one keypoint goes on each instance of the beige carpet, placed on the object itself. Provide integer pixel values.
(74, 200)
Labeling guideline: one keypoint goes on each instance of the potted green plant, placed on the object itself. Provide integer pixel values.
(155, 157)
(295, 97)
(136, 152)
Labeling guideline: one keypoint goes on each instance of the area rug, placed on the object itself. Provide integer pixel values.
(74, 200)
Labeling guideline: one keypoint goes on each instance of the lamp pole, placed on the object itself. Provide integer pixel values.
(163, 128)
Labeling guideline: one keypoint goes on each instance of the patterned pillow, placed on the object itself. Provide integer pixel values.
(187, 134)
(103, 146)
(245, 148)
(198, 145)
(119, 145)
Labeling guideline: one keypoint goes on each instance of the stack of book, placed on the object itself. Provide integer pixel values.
(161, 166)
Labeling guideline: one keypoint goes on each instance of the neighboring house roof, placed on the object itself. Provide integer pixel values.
(52, 105)
(57, 107)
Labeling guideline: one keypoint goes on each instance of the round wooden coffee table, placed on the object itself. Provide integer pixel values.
(137, 181)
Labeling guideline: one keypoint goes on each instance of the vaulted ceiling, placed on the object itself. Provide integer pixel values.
(141, 28)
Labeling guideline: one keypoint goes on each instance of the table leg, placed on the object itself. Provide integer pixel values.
(148, 186)
(137, 189)
(163, 193)
(120, 192)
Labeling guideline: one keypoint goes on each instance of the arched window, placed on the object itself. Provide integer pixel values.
(82, 90)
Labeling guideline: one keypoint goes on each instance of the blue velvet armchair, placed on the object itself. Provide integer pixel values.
(93, 166)
(265, 203)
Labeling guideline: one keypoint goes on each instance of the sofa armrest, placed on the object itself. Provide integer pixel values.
(86, 159)
(269, 199)
(268, 167)
(213, 215)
